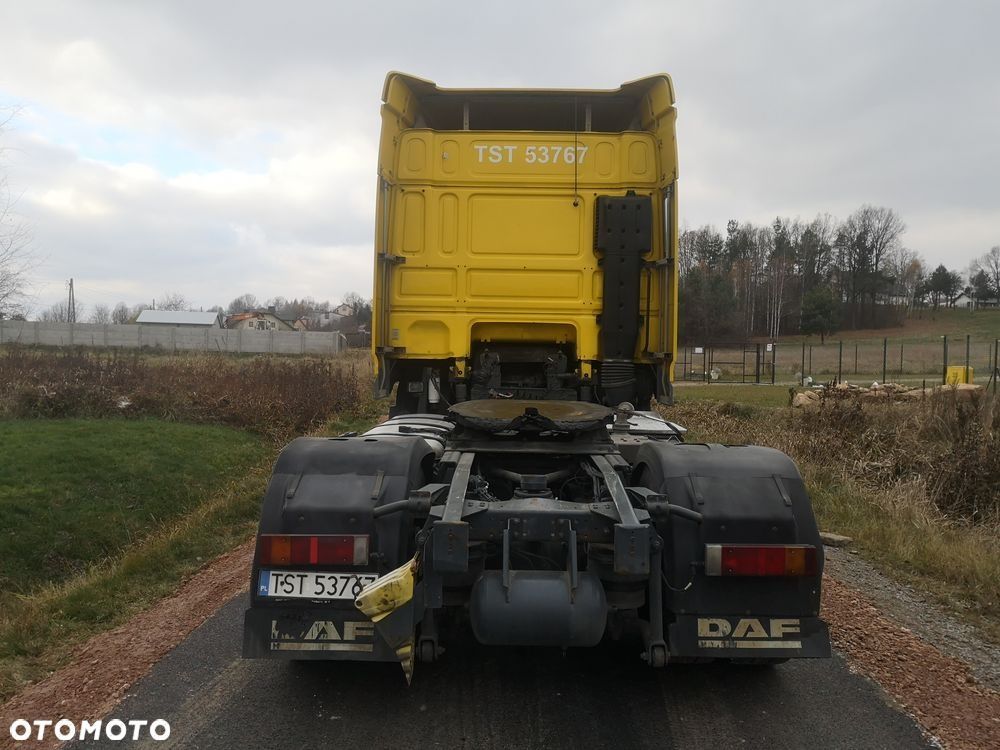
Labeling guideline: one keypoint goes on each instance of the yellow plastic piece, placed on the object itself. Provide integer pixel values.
(959, 374)
(384, 596)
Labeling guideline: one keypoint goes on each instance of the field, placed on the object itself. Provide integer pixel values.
(123, 475)
(928, 325)
(912, 353)
(916, 485)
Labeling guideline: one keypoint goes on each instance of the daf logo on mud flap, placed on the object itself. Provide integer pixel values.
(748, 632)
(325, 635)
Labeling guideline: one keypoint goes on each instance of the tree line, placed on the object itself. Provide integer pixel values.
(813, 277)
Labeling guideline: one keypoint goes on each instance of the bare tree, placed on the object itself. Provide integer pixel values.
(173, 301)
(243, 303)
(883, 228)
(59, 313)
(279, 303)
(121, 314)
(355, 301)
(865, 241)
(783, 239)
(101, 315)
(990, 263)
(16, 260)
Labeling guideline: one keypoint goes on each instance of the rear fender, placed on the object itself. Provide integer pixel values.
(746, 495)
(332, 486)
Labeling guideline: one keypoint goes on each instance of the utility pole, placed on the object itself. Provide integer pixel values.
(71, 306)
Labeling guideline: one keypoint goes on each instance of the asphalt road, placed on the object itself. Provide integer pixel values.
(478, 697)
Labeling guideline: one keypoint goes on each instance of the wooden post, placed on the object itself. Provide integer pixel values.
(968, 346)
(996, 363)
(944, 368)
(885, 356)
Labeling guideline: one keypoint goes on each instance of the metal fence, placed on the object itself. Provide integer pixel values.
(171, 338)
(728, 363)
(864, 361)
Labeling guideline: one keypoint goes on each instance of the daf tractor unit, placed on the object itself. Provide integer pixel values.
(523, 487)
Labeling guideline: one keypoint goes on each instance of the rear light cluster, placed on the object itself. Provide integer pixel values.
(760, 560)
(304, 549)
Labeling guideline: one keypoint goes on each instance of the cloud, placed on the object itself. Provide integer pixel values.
(183, 146)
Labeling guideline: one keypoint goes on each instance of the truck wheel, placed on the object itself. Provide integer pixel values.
(426, 650)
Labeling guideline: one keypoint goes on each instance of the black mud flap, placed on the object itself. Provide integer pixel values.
(747, 637)
(330, 634)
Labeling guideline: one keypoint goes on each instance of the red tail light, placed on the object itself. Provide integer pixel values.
(760, 560)
(304, 549)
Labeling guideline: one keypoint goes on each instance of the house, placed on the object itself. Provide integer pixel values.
(180, 318)
(966, 301)
(259, 320)
(302, 324)
(324, 319)
(344, 310)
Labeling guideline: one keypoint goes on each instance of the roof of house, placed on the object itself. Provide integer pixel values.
(178, 317)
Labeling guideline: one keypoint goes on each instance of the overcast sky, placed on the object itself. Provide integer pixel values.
(216, 148)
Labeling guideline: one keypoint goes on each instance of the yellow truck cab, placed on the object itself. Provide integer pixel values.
(526, 244)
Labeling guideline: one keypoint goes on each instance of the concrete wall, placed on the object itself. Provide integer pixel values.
(170, 338)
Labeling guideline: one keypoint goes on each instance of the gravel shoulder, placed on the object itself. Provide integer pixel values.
(97, 679)
(941, 691)
(916, 612)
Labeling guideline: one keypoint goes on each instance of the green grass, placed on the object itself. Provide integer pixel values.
(75, 492)
(924, 326)
(101, 518)
(140, 505)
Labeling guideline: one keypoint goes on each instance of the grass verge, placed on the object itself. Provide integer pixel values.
(916, 485)
(958, 566)
(42, 626)
(59, 606)
(74, 492)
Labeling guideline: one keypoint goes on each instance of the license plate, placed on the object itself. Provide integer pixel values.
(293, 584)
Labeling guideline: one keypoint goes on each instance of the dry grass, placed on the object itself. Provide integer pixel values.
(916, 484)
(275, 397)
